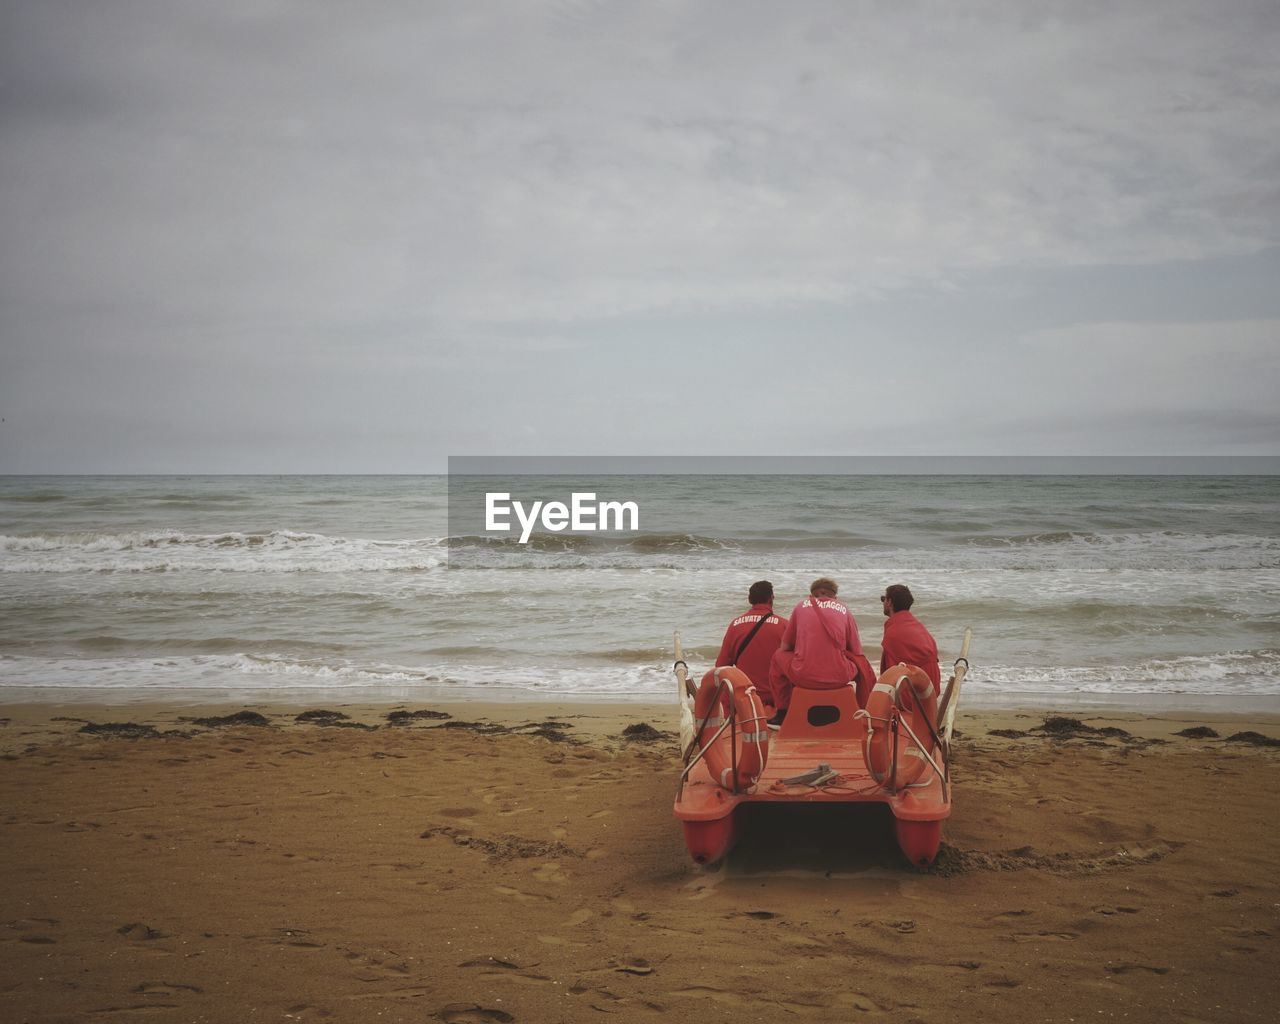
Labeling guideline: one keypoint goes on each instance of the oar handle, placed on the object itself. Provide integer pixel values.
(951, 697)
(681, 670)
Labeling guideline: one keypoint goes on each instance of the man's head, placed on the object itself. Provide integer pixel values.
(896, 598)
(761, 593)
(824, 588)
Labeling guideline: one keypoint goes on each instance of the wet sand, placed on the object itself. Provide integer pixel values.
(520, 863)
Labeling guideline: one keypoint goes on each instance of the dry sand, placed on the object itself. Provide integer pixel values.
(441, 871)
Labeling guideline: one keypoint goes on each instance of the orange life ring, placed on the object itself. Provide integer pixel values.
(750, 734)
(904, 693)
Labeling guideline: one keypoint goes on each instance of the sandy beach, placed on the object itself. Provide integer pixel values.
(520, 863)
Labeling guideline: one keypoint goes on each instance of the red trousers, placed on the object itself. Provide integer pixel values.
(782, 680)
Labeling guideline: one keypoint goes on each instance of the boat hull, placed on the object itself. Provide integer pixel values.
(709, 841)
(821, 729)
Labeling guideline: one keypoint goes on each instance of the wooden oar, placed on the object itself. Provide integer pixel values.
(951, 695)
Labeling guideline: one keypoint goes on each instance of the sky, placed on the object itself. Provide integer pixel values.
(330, 237)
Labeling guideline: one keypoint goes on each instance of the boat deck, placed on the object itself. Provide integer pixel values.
(821, 728)
(818, 757)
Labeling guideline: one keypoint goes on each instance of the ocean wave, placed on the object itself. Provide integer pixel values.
(106, 642)
(1240, 671)
(1066, 554)
(35, 498)
(627, 655)
(536, 542)
(1047, 539)
(1143, 549)
(645, 543)
(1139, 538)
(261, 673)
(662, 543)
(172, 550)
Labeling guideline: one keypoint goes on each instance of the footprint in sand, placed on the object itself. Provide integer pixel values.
(716, 995)
(1246, 933)
(523, 897)
(578, 917)
(138, 930)
(1044, 936)
(305, 1011)
(748, 998)
(600, 814)
(376, 965)
(404, 992)
(1130, 968)
(800, 941)
(34, 929)
(492, 962)
(676, 933)
(298, 938)
(549, 872)
(858, 1001)
(472, 1013)
(164, 988)
(494, 967)
(604, 1001)
(517, 977)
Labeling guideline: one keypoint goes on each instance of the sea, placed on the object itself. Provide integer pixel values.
(1077, 589)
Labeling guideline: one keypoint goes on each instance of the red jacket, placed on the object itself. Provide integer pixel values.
(755, 659)
(819, 658)
(906, 640)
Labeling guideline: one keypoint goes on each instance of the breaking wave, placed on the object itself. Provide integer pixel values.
(171, 550)
(272, 673)
(1230, 672)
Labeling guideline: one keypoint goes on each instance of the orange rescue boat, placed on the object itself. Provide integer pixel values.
(828, 751)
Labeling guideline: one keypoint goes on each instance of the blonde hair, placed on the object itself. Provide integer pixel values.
(823, 583)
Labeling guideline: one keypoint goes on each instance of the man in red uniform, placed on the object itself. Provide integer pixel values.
(820, 649)
(906, 641)
(751, 638)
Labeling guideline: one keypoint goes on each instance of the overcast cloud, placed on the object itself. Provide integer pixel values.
(292, 237)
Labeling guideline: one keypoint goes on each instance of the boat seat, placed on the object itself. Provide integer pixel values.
(823, 715)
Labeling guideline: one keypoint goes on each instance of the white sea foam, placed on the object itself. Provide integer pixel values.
(1231, 673)
(270, 673)
(171, 550)
(295, 551)
(1159, 549)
